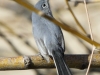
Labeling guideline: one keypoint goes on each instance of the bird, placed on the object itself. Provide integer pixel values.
(49, 38)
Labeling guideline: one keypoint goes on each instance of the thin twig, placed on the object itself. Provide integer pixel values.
(69, 29)
(78, 23)
(93, 48)
(93, 1)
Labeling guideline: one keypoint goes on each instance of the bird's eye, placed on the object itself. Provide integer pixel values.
(44, 5)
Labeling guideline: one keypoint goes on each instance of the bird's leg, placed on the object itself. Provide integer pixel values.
(39, 54)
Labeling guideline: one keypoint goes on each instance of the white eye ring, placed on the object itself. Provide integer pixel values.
(44, 5)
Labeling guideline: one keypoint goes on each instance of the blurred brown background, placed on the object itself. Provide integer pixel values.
(16, 32)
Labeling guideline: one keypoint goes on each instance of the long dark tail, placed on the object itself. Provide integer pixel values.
(62, 68)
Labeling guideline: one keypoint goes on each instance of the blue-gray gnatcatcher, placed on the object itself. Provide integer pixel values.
(49, 38)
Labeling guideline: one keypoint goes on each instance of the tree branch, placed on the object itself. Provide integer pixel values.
(36, 62)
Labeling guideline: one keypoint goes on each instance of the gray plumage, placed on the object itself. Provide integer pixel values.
(49, 38)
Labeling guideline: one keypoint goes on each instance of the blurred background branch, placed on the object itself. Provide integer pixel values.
(78, 23)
